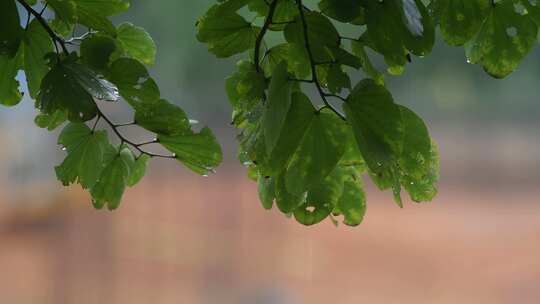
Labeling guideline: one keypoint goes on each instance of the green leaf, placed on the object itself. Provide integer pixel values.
(321, 199)
(418, 162)
(336, 80)
(274, 56)
(36, 44)
(504, 39)
(11, 33)
(422, 189)
(385, 32)
(420, 33)
(352, 202)
(368, 68)
(267, 190)
(533, 10)
(65, 10)
(9, 86)
(246, 86)
(352, 158)
(318, 153)
(298, 60)
(71, 86)
(94, 13)
(285, 201)
(252, 147)
(341, 56)
(137, 43)
(94, 84)
(416, 143)
(198, 151)
(113, 180)
(322, 35)
(285, 11)
(376, 122)
(133, 81)
(342, 10)
(51, 122)
(162, 117)
(103, 7)
(61, 28)
(460, 20)
(321, 31)
(96, 22)
(226, 32)
(96, 51)
(86, 149)
(397, 27)
(296, 124)
(138, 170)
(277, 106)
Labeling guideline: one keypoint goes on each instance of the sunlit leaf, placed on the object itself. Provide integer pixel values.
(504, 39)
(137, 43)
(36, 44)
(10, 93)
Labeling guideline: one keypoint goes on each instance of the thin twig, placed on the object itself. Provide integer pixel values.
(312, 62)
(44, 8)
(27, 21)
(45, 25)
(336, 96)
(153, 141)
(82, 37)
(301, 80)
(57, 39)
(96, 123)
(264, 29)
(127, 124)
(123, 139)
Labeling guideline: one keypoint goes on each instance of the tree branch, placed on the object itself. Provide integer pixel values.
(123, 139)
(313, 63)
(57, 39)
(45, 25)
(267, 22)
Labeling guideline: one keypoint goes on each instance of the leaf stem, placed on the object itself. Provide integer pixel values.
(123, 139)
(127, 124)
(264, 29)
(154, 141)
(45, 25)
(96, 123)
(57, 39)
(312, 62)
(79, 38)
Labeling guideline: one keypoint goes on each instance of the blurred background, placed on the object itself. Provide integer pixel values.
(181, 238)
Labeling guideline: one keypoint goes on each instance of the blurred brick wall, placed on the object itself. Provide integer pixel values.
(182, 239)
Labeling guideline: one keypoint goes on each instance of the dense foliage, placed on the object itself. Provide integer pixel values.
(73, 63)
(308, 156)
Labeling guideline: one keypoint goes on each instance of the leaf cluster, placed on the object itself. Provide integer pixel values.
(308, 155)
(71, 76)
